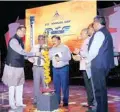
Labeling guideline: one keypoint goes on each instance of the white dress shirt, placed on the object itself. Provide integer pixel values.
(95, 46)
(35, 49)
(84, 53)
(94, 50)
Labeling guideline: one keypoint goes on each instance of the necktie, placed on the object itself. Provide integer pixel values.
(39, 58)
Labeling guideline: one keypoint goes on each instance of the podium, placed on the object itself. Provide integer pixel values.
(47, 102)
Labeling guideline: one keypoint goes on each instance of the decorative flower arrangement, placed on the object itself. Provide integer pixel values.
(45, 54)
(46, 67)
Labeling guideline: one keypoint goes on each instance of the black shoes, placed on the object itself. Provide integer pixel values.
(92, 109)
(65, 104)
(35, 103)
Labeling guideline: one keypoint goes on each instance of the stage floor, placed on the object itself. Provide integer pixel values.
(77, 98)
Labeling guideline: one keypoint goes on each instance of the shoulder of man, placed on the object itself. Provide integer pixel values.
(36, 46)
(65, 46)
(13, 40)
(99, 33)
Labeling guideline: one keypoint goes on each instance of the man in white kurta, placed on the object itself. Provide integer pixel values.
(82, 54)
(13, 75)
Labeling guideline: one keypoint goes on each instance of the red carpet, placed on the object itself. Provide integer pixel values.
(77, 98)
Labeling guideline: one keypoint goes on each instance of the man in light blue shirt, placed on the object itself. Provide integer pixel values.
(60, 56)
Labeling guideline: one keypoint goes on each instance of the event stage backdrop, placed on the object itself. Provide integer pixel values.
(65, 19)
(112, 16)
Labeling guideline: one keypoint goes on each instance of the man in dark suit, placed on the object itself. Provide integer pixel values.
(100, 59)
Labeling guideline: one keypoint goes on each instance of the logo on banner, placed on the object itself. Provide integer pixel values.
(58, 30)
(58, 25)
(56, 14)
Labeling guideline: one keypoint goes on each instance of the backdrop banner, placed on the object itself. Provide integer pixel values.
(64, 19)
(112, 16)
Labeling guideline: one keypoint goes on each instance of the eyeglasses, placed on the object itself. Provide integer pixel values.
(41, 39)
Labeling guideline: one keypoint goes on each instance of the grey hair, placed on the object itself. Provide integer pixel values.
(85, 30)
